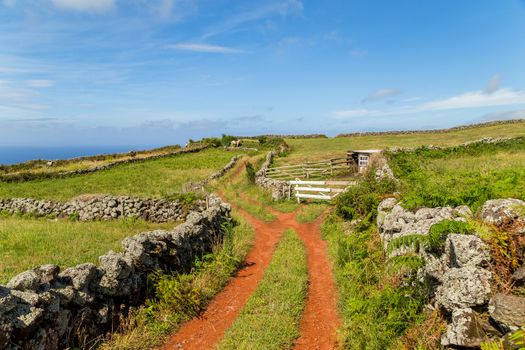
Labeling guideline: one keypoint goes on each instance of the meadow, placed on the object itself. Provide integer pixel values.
(28, 242)
(461, 175)
(309, 149)
(154, 178)
(63, 165)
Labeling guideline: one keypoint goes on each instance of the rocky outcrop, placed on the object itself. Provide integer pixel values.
(467, 330)
(45, 308)
(89, 208)
(395, 221)
(464, 287)
(458, 272)
(508, 311)
(504, 213)
(279, 189)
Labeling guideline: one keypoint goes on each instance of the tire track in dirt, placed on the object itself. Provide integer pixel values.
(320, 319)
(207, 330)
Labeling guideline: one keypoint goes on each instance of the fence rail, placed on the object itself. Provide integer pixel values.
(308, 170)
(304, 189)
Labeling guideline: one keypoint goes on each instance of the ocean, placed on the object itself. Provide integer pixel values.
(12, 155)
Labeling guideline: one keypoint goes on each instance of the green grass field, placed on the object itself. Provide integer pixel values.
(270, 318)
(154, 178)
(323, 148)
(467, 175)
(27, 242)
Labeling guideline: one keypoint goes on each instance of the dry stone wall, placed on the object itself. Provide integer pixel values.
(27, 176)
(431, 131)
(103, 208)
(463, 285)
(46, 308)
(278, 188)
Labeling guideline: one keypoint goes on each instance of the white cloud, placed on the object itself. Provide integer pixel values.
(196, 47)
(40, 83)
(493, 84)
(361, 112)
(89, 6)
(275, 8)
(475, 99)
(517, 114)
(381, 94)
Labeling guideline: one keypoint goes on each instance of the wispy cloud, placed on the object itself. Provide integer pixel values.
(359, 53)
(475, 99)
(40, 83)
(515, 114)
(380, 95)
(493, 84)
(274, 8)
(198, 47)
(86, 6)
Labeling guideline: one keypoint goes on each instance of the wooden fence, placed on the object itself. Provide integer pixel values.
(312, 189)
(309, 170)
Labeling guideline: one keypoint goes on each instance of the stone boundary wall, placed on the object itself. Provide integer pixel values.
(278, 188)
(103, 208)
(462, 282)
(307, 136)
(456, 128)
(226, 168)
(28, 176)
(46, 308)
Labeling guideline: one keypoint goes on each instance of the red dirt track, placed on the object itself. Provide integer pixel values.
(320, 319)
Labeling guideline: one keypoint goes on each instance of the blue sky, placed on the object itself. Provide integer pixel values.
(153, 72)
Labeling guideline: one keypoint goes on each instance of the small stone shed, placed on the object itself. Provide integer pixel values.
(361, 159)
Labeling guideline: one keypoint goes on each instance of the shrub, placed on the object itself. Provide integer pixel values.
(226, 140)
(361, 201)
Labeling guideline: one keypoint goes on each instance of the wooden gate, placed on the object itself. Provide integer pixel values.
(325, 190)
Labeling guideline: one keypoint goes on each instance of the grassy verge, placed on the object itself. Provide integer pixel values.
(179, 297)
(28, 242)
(376, 309)
(239, 191)
(270, 319)
(310, 212)
(153, 178)
(461, 175)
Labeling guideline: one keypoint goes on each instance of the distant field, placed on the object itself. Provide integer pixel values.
(80, 163)
(322, 148)
(152, 178)
(26, 243)
(468, 175)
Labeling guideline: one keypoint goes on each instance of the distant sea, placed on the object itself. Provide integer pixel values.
(12, 155)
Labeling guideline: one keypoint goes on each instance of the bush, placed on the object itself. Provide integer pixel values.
(226, 140)
(361, 201)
